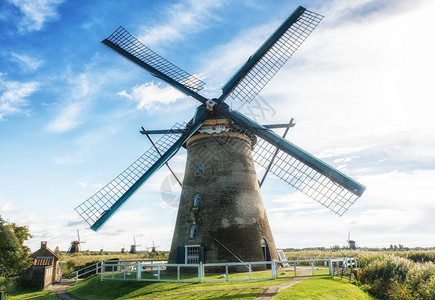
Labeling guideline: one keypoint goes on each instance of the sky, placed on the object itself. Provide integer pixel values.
(360, 89)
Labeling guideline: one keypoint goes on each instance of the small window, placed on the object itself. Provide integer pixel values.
(196, 200)
(199, 169)
(192, 254)
(192, 232)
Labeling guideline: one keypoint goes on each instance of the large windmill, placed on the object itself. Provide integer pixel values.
(221, 216)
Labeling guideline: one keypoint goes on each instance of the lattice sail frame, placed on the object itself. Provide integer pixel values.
(297, 174)
(122, 38)
(263, 71)
(93, 208)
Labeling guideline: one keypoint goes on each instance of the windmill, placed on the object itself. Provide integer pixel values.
(221, 216)
(133, 248)
(154, 249)
(351, 244)
(75, 245)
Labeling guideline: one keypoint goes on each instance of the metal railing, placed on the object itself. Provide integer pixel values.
(97, 267)
(141, 270)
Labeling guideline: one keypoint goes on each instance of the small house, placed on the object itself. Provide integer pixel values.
(45, 269)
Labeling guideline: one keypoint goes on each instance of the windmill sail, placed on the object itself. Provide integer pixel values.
(303, 171)
(128, 46)
(101, 206)
(271, 56)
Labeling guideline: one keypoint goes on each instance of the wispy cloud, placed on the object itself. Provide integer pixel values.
(36, 13)
(69, 117)
(181, 20)
(26, 63)
(81, 90)
(13, 95)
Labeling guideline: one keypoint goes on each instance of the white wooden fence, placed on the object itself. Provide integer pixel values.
(215, 272)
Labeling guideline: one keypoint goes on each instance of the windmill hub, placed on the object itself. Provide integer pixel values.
(210, 103)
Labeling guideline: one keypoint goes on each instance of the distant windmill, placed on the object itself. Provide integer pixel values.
(350, 243)
(75, 245)
(153, 248)
(133, 248)
(221, 215)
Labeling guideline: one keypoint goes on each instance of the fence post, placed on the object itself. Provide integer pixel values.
(102, 270)
(158, 272)
(250, 275)
(2, 293)
(138, 270)
(201, 271)
(312, 268)
(274, 269)
(226, 271)
(330, 268)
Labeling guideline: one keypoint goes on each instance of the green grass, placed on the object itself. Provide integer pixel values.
(94, 289)
(24, 294)
(324, 288)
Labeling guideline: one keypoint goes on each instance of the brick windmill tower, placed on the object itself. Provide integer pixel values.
(221, 216)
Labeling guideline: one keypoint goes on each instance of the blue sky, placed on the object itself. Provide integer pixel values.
(360, 90)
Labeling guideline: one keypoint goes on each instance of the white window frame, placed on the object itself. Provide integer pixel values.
(189, 257)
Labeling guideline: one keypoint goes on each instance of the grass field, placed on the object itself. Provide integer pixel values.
(311, 288)
(27, 294)
(94, 289)
(323, 288)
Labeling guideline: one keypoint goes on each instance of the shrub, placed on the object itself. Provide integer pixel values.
(395, 277)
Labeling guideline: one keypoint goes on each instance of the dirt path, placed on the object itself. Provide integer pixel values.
(271, 291)
(61, 288)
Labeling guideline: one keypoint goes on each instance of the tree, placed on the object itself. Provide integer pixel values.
(13, 252)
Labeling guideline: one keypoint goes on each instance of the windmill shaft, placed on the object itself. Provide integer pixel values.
(163, 131)
(303, 156)
(274, 126)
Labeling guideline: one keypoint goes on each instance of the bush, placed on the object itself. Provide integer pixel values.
(395, 277)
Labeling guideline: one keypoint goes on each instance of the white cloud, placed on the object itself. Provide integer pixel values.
(69, 117)
(36, 13)
(26, 62)
(8, 208)
(181, 20)
(81, 90)
(13, 95)
(150, 95)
